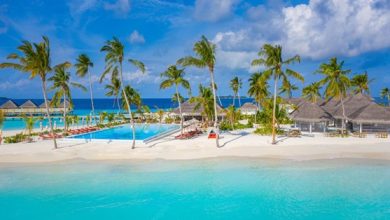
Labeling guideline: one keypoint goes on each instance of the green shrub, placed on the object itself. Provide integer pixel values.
(267, 130)
(15, 139)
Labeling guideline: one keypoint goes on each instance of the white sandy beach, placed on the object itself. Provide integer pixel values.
(245, 144)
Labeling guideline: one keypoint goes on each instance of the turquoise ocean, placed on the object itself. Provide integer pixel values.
(199, 189)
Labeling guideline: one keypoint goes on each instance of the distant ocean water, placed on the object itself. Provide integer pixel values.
(83, 106)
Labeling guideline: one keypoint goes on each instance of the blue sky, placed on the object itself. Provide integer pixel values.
(158, 32)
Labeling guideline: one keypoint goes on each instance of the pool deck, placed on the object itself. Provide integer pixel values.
(238, 144)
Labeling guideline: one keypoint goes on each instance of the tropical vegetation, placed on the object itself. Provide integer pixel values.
(271, 58)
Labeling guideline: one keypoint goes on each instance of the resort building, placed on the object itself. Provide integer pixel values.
(360, 112)
(248, 109)
(190, 111)
(12, 109)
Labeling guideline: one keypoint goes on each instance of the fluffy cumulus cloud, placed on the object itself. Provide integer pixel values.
(213, 10)
(136, 38)
(337, 27)
(317, 30)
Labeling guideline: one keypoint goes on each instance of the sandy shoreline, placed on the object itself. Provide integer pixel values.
(244, 144)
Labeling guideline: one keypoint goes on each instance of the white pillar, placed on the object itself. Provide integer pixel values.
(310, 128)
(361, 128)
(324, 127)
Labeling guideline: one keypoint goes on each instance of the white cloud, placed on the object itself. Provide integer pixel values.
(120, 7)
(138, 77)
(337, 27)
(136, 38)
(213, 10)
(12, 85)
(317, 30)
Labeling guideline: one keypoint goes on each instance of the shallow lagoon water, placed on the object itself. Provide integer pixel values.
(199, 189)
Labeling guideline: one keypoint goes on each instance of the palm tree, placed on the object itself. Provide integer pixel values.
(30, 121)
(236, 85)
(287, 88)
(175, 77)
(114, 61)
(312, 92)
(360, 83)
(102, 117)
(232, 114)
(133, 97)
(258, 88)
(114, 90)
(385, 93)
(271, 57)
(61, 83)
(205, 51)
(35, 59)
(336, 82)
(83, 65)
(2, 119)
(160, 113)
(205, 101)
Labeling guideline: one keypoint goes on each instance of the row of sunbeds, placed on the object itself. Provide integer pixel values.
(72, 132)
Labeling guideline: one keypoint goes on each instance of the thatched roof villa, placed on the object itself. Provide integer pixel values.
(361, 113)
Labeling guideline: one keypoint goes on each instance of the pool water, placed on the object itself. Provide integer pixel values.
(124, 132)
(201, 189)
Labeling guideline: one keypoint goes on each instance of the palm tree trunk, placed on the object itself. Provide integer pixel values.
(65, 127)
(48, 113)
(91, 93)
(215, 107)
(388, 100)
(128, 108)
(181, 114)
(344, 117)
(239, 99)
(274, 113)
(119, 105)
(234, 98)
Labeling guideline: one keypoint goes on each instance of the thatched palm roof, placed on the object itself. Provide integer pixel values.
(310, 112)
(248, 106)
(9, 105)
(372, 113)
(352, 103)
(294, 101)
(188, 108)
(28, 104)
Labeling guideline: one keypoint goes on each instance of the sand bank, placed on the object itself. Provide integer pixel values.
(242, 144)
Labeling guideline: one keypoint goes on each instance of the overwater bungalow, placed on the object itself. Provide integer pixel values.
(11, 109)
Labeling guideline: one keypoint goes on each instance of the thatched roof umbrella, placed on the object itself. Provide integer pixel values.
(373, 113)
(9, 105)
(249, 108)
(310, 112)
(28, 104)
(351, 105)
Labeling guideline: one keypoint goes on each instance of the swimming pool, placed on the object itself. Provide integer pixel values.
(124, 132)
